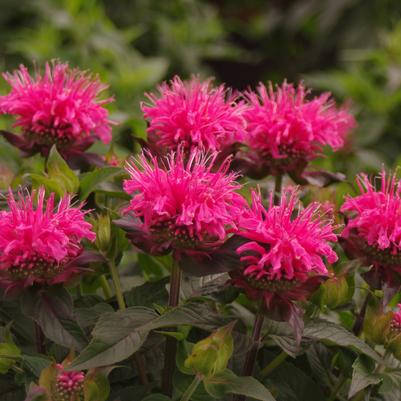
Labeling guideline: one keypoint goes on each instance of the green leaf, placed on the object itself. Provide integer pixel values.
(332, 333)
(52, 309)
(227, 382)
(147, 294)
(118, 335)
(293, 384)
(96, 388)
(9, 354)
(59, 172)
(91, 180)
(363, 375)
(36, 363)
(154, 268)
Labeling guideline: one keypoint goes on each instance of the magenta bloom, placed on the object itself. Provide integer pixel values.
(59, 107)
(40, 242)
(182, 205)
(373, 226)
(396, 319)
(285, 130)
(194, 114)
(285, 252)
(69, 384)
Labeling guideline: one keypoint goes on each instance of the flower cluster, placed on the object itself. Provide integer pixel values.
(373, 229)
(285, 129)
(69, 384)
(183, 204)
(396, 319)
(284, 252)
(59, 107)
(194, 114)
(40, 240)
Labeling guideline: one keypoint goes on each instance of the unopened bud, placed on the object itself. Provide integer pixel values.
(102, 227)
(211, 355)
(336, 292)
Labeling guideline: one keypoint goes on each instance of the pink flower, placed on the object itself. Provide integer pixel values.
(59, 107)
(284, 252)
(40, 242)
(283, 246)
(396, 319)
(69, 383)
(285, 130)
(182, 205)
(194, 114)
(373, 225)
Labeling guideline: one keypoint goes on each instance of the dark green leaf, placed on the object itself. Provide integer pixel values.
(53, 311)
(363, 375)
(118, 335)
(227, 382)
(148, 294)
(332, 333)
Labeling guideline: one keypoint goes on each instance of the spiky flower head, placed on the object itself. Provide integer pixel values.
(69, 384)
(182, 204)
(285, 249)
(60, 106)
(285, 129)
(194, 114)
(373, 225)
(40, 240)
(396, 319)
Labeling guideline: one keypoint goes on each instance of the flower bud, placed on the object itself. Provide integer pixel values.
(102, 227)
(336, 292)
(393, 333)
(210, 356)
(376, 324)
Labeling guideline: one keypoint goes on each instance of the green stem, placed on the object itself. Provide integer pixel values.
(277, 188)
(14, 358)
(117, 285)
(253, 352)
(337, 388)
(138, 358)
(171, 343)
(358, 325)
(191, 389)
(277, 361)
(39, 339)
(105, 287)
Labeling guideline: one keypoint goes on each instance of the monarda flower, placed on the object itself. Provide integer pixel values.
(60, 107)
(373, 228)
(194, 114)
(40, 241)
(283, 257)
(285, 130)
(181, 205)
(69, 384)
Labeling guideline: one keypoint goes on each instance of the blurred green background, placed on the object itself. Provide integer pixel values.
(350, 47)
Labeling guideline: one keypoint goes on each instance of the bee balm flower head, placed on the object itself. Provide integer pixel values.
(285, 250)
(285, 130)
(192, 115)
(60, 106)
(182, 205)
(40, 241)
(373, 227)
